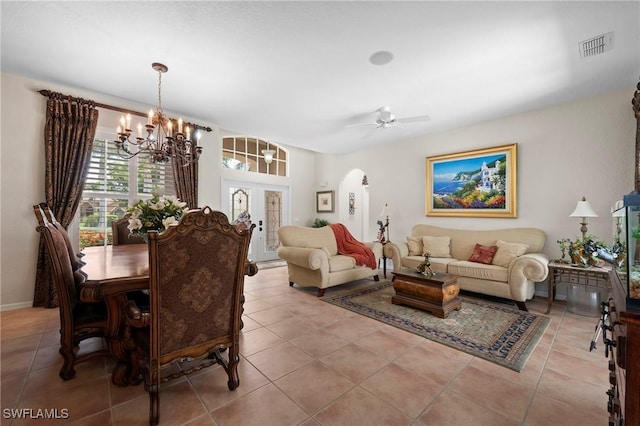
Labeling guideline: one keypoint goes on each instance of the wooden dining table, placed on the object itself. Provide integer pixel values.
(115, 274)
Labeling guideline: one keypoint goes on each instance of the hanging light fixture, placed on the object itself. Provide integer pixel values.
(268, 155)
(162, 142)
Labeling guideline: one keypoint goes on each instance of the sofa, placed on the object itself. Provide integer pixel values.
(507, 264)
(313, 260)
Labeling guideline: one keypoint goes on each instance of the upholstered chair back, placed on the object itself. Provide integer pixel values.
(120, 232)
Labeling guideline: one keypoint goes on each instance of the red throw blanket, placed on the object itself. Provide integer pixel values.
(349, 246)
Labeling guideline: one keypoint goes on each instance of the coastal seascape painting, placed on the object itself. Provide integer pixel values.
(480, 183)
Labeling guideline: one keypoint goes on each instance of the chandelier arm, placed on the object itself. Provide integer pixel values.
(162, 142)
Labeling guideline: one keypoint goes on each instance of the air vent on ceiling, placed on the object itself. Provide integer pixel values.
(596, 45)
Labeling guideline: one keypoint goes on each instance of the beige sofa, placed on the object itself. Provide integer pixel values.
(313, 260)
(518, 262)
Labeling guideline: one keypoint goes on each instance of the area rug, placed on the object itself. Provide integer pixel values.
(492, 331)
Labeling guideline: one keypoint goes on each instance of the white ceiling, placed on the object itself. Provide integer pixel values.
(298, 73)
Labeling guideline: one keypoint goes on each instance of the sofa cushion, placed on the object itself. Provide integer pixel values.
(483, 254)
(301, 236)
(341, 263)
(436, 246)
(481, 271)
(415, 246)
(507, 252)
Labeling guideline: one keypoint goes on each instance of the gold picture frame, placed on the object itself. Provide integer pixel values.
(479, 183)
(325, 201)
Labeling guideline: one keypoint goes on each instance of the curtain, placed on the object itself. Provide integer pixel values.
(69, 131)
(186, 181)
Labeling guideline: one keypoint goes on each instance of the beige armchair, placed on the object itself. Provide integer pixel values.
(313, 260)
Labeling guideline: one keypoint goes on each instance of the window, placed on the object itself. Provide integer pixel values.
(244, 153)
(113, 184)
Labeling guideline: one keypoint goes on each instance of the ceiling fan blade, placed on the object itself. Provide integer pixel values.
(415, 119)
(373, 123)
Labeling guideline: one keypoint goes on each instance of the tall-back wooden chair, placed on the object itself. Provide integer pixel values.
(120, 232)
(44, 215)
(196, 270)
(78, 321)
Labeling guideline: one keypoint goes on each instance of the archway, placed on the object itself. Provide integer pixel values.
(353, 204)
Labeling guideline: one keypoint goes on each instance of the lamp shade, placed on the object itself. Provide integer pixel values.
(583, 209)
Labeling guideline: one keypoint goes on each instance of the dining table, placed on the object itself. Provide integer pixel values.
(116, 274)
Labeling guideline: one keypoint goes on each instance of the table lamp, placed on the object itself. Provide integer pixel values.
(583, 210)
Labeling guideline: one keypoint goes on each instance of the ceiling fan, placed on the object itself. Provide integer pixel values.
(387, 120)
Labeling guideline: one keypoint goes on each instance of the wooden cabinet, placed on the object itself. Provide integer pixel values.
(621, 337)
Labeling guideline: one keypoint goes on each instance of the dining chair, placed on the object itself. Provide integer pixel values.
(78, 320)
(44, 215)
(120, 232)
(196, 270)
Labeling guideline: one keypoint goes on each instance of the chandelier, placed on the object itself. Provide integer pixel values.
(162, 141)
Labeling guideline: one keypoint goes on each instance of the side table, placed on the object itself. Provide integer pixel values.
(594, 276)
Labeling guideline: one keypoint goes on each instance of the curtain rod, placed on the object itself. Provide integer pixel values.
(48, 93)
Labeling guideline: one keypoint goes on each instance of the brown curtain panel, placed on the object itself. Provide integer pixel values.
(186, 181)
(68, 140)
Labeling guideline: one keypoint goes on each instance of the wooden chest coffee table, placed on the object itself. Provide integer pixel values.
(437, 293)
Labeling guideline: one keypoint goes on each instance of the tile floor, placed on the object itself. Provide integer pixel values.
(305, 362)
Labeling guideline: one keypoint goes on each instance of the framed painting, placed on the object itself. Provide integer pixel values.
(324, 201)
(480, 183)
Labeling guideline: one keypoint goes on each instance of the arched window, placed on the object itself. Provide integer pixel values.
(253, 155)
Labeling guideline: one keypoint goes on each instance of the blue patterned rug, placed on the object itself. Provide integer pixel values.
(493, 331)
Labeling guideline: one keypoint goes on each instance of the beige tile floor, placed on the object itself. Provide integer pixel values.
(305, 362)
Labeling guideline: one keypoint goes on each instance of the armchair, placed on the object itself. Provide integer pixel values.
(313, 260)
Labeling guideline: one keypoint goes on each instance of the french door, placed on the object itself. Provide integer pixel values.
(268, 207)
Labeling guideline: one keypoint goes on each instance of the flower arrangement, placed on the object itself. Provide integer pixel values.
(586, 252)
(155, 214)
(564, 244)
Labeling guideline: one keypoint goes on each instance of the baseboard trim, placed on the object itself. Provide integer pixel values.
(13, 306)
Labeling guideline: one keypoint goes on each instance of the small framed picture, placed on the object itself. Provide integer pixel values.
(324, 201)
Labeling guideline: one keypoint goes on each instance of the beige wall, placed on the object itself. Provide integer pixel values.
(578, 149)
(22, 177)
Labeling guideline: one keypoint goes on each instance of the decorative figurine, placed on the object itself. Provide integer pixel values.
(425, 267)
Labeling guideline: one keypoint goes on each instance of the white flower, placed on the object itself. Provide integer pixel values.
(175, 202)
(157, 192)
(156, 206)
(134, 223)
(168, 221)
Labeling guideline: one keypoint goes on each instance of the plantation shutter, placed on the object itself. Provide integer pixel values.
(108, 172)
(154, 175)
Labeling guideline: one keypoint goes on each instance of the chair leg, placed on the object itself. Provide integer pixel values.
(67, 372)
(376, 278)
(154, 404)
(290, 283)
(232, 369)
(321, 292)
(522, 306)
